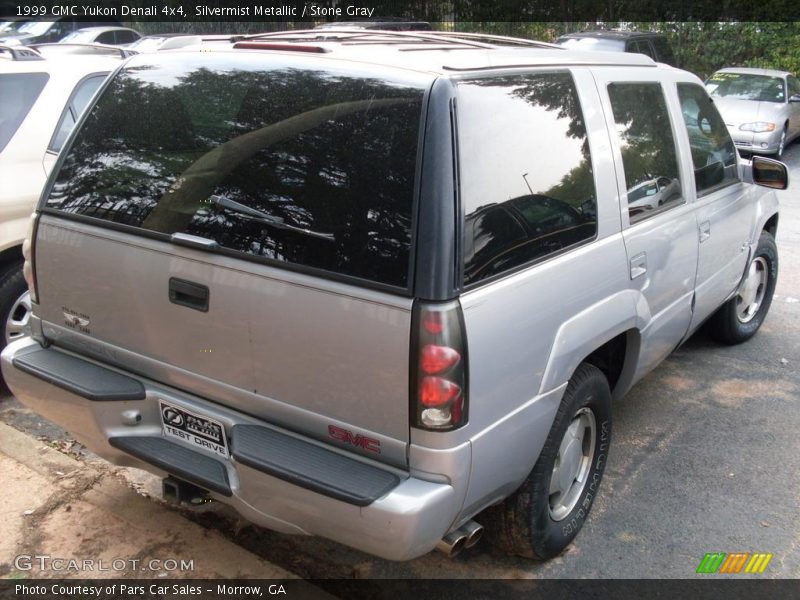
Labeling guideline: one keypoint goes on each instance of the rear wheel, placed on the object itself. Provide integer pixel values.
(15, 306)
(543, 517)
(741, 316)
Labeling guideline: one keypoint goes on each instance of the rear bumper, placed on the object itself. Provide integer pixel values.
(368, 506)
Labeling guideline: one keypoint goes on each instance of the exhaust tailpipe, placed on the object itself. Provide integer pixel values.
(465, 536)
(451, 544)
(473, 531)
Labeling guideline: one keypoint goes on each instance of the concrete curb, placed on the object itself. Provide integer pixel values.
(65, 508)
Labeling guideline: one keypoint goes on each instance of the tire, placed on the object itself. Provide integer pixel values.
(12, 288)
(525, 523)
(728, 325)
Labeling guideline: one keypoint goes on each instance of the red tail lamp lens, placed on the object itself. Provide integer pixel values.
(436, 359)
(433, 322)
(436, 391)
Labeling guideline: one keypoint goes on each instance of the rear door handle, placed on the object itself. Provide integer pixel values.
(638, 265)
(188, 294)
(705, 231)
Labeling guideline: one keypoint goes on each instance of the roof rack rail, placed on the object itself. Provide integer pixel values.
(20, 53)
(514, 41)
(63, 48)
(354, 35)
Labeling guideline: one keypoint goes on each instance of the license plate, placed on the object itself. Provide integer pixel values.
(193, 429)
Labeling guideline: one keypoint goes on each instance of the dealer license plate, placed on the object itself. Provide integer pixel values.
(193, 429)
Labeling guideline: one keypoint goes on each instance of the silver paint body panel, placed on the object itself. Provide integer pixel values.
(299, 353)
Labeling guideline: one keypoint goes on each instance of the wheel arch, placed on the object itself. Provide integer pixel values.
(10, 256)
(771, 225)
(605, 335)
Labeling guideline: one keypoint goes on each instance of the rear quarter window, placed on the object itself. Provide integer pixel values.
(526, 180)
(296, 165)
(18, 93)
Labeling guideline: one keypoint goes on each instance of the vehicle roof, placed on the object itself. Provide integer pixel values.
(77, 64)
(430, 52)
(754, 71)
(611, 34)
(386, 23)
(102, 29)
(167, 35)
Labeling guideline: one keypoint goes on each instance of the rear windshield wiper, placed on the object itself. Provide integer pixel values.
(262, 217)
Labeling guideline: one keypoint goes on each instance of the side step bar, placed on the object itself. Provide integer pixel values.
(310, 466)
(184, 463)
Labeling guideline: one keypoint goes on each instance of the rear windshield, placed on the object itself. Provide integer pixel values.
(276, 160)
(18, 92)
(741, 86)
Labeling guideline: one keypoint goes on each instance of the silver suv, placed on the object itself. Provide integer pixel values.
(367, 285)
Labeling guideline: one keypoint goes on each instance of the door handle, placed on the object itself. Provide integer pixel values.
(705, 231)
(188, 294)
(638, 265)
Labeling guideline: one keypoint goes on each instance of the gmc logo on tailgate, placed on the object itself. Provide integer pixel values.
(358, 440)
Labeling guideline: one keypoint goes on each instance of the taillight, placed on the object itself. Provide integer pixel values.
(438, 367)
(27, 253)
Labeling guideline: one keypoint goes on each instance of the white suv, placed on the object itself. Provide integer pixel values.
(40, 101)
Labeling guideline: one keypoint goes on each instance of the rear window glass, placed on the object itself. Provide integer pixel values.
(526, 177)
(18, 92)
(278, 161)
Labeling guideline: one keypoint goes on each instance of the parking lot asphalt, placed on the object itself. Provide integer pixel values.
(705, 458)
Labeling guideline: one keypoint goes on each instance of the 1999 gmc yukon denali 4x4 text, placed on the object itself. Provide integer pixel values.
(366, 290)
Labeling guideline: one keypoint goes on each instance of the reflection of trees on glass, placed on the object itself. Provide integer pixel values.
(523, 206)
(316, 151)
(647, 146)
(713, 151)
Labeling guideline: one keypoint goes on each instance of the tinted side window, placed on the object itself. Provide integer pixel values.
(794, 85)
(664, 50)
(109, 37)
(286, 163)
(18, 92)
(640, 47)
(83, 92)
(527, 185)
(713, 151)
(648, 148)
(126, 37)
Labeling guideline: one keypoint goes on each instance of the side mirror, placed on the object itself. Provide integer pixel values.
(770, 173)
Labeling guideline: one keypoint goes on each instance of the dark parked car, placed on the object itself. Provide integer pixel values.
(654, 45)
